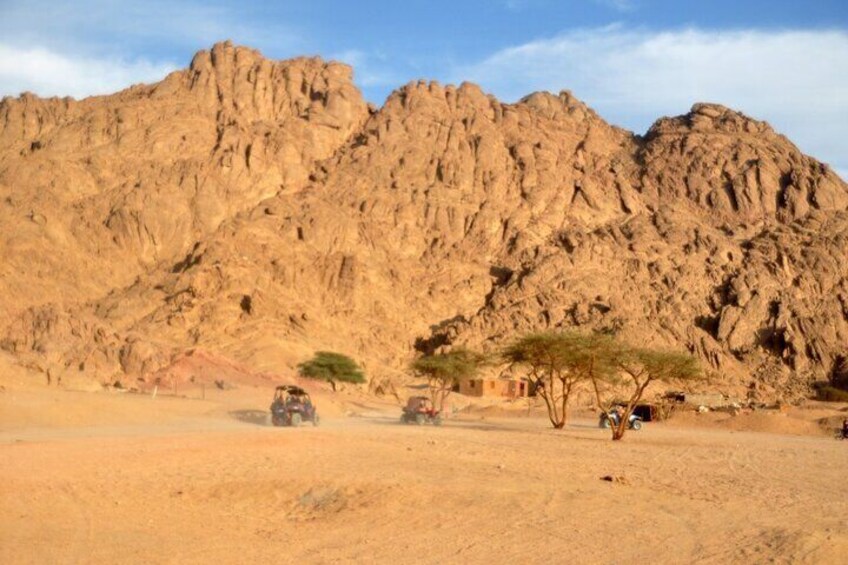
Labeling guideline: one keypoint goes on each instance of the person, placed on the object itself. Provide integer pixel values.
(619, 413)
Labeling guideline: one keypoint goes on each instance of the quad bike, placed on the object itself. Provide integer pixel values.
(419, 410)
(634, 422)
(292, 406)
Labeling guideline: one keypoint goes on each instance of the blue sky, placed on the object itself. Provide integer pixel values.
(632, 60)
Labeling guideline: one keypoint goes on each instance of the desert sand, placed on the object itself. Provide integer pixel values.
(97, 477)
(230, 220)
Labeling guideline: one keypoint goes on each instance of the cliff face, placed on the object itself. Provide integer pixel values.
(260, 209)
(98, 191)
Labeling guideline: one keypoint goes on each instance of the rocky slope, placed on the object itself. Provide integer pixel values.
(261, 210)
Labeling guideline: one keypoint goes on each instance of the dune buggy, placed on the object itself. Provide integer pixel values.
(419, 410)
(292, 406)
(613, 417)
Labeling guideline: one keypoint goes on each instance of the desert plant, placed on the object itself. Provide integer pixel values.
(333, 368)
(559, 363)
(444, 371)
(637, 368)
(839, 373)
(829, 393)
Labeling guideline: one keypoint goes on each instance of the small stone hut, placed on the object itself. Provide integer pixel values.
(504, 388)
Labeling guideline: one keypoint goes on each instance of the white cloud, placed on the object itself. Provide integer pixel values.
(797, 80)
(48, 73)
(98, 46)
(369, 69)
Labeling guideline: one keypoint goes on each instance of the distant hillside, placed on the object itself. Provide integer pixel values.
(262, 210)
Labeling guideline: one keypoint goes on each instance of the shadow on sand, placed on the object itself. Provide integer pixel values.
(503, 425)
(255, 417)
(450, 423)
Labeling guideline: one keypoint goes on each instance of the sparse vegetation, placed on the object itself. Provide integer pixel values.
(839, 374)
(443, 371)
(559, 363)
(831, 394)
(635, 369)
(333, 368)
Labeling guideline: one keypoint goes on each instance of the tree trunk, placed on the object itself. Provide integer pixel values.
(442, 396)
(552, 411)
(618, 431)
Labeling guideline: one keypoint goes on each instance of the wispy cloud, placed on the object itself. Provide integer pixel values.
(618, 5)
(48, 73)
(98, 46)
(797, 80)
(105, 25)
(370, 69)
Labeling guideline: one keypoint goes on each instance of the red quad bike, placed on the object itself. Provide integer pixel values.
(292, 406)
(419, 410)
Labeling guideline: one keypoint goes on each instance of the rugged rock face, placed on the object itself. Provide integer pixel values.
(259, 209)
(98, 191)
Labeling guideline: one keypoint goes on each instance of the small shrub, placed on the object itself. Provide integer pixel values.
(831, 394)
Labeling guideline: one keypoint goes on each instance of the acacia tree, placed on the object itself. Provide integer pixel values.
(333, 368)
(637, 368)
(559, 363)
(443, 371)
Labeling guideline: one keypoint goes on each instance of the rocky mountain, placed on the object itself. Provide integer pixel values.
(262, 210)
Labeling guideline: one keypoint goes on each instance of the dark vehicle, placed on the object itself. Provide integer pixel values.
(292, 406)
(419, 410)
(614, 416)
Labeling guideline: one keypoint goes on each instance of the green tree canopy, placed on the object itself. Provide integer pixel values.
(445, 370)
(333, 368)
(559, 362)
(638, 367)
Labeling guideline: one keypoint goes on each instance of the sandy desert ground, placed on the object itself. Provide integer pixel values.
(97, 477)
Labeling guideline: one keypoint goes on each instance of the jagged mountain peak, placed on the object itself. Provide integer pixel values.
(261, 209)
